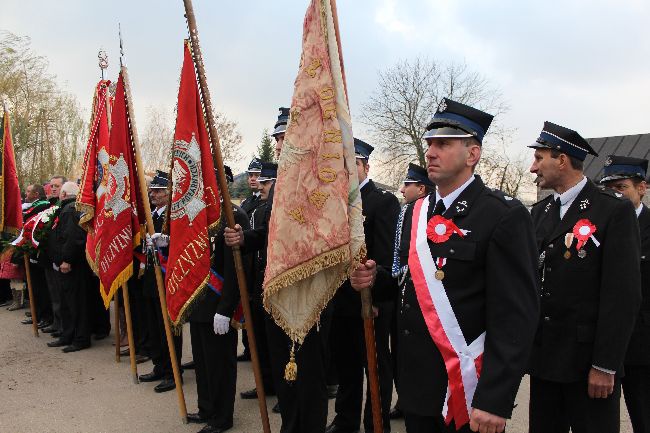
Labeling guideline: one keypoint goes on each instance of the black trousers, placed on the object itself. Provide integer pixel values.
(54, 289)
(215, 360)
(430, 424)
(349, 350)
(158, 349)
(556, 407)
(41, 294)
(303, 403)
(100, 317)
(636, 390)
(75, 306)
(259, 318)
(138, 315)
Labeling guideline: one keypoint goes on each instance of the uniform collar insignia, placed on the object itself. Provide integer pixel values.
(584, 204)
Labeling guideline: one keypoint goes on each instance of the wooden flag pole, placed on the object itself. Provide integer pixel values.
(129, 332)
(32, 301)
(227, 206)
(116, 307)
(150, 230)
(366, 296)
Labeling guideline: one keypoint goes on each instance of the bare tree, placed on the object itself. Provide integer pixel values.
(229, 137)
(47, 124)
(504, 171)
(156, 139)
(408, 94)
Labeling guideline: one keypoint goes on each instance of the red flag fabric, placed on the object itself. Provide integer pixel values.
(195, 206)
(90, 200)
(122, 213)
(11, 216)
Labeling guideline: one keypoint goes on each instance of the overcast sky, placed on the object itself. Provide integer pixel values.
(584, 64)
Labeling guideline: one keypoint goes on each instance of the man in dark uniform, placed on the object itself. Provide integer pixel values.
(589, 251)
(416, 185)
(469, 302)
(265, 182)
(627, 175)
(214, 341)
(158, 350)
(249, 205)
(380, 210)
(303, 403)
(65, 248)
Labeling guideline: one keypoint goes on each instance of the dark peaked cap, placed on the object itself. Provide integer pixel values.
(624, 167)
(563, 140)
(456, 120)
(417, 174)
(362, 149)
(281, 124)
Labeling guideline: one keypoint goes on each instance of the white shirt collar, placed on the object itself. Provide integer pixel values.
(159, 211)
(362, 184)
(639, 209)
(450, 198)
(568, 196)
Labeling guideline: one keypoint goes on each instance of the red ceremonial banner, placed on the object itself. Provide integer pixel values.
(90, 200)
(195, 206)
(11, 217)
(122, 225)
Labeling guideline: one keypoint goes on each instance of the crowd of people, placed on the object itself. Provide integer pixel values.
(471, 290)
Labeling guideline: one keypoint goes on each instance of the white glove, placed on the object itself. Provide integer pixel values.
(221, 324)
(160, 240)
(148, 242)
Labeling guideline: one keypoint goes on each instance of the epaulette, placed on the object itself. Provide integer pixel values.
(544, 200)
(505, 198)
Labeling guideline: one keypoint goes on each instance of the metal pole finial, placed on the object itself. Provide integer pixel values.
(103, 60)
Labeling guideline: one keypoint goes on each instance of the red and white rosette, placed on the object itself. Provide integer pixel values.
(440, 229)
(583, 231)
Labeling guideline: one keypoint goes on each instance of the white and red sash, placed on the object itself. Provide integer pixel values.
(462, 361)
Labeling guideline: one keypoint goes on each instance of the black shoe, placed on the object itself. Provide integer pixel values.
(332, 390)
(188, 365)
(57, 343)
(6, 303)
(251, 394)
(55, 334)
(196, 418)
(27, 321)
(396, 413)
(246, 356)
(150, 377)
(211, 429)
(49, 329)
(74, 348)
(165, 385)
(43, 324)
(28, 313)
(333, 428)
(100, 335)
(276, 407)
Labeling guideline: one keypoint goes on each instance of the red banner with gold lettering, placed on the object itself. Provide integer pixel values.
(122, 213)
(90, 200)
(195, 207)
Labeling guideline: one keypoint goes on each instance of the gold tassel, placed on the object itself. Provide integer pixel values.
(291, 369)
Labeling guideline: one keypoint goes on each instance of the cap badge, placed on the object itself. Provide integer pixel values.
(608, 162)
(442, 107)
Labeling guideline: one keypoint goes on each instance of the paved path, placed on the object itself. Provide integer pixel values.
(43, 390)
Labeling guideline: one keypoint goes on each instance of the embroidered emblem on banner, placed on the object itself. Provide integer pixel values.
(118, 189)
(187, 178)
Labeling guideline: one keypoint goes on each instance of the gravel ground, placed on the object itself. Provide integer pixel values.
(43, 390)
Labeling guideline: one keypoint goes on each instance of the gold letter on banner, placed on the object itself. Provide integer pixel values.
(318, 198)
(311, 69)
(297, 215)
(329, 112)
(332, 136)
(327, 93)
(327, 174)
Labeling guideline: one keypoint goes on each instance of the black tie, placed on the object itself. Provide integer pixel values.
(440, 208)
(558, 212)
